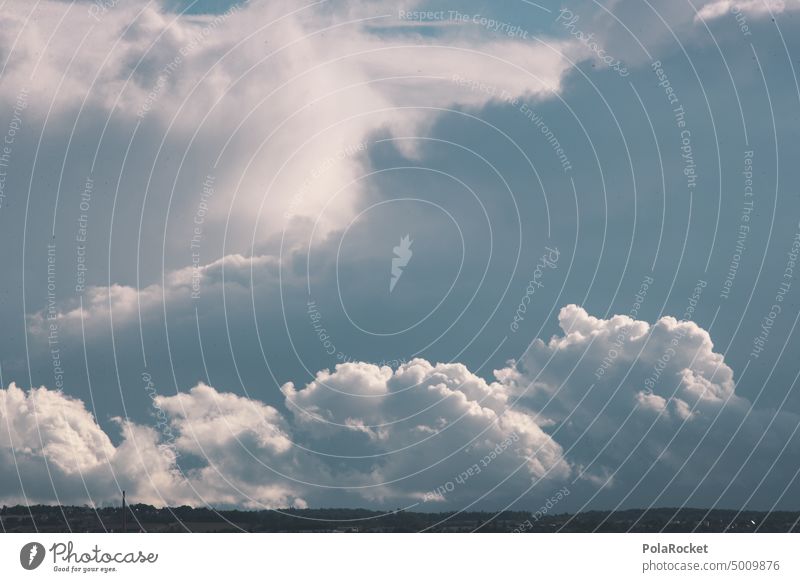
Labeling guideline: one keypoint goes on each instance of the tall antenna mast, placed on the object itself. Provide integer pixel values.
(124, 517)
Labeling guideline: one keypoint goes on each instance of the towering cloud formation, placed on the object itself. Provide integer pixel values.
(661, 425)
(663, 422)
(61, 454)
(260, 97)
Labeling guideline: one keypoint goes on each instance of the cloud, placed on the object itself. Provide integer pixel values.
(616, 408)
(638, 33)
(260, 97)
(57, 426)
(755, 8)
(426, 423)
(125, 303)
(650, 411)
(218, 448)
(60, 453)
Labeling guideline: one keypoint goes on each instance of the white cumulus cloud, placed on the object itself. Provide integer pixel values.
(631, 412)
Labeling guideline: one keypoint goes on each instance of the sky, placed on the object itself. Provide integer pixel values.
(428, 255)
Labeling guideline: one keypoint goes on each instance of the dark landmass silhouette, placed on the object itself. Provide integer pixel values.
(146, 518)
